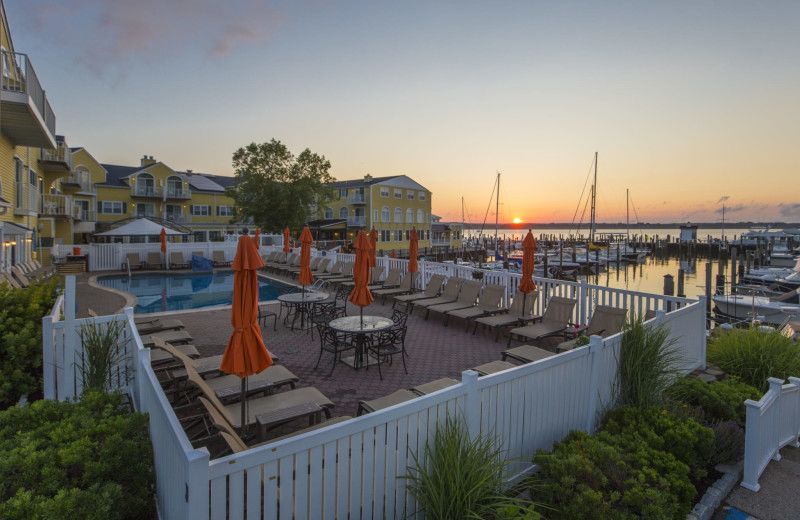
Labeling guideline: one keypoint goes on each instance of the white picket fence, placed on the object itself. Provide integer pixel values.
(352, 469)
(771, 423)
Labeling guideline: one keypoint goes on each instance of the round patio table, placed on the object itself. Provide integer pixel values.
(301, 302)
(360, 327)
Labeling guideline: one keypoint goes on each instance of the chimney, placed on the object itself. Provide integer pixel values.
(147, 161)
(367, 178)
(188, 171)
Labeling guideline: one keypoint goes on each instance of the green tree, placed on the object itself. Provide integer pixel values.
(276, 189)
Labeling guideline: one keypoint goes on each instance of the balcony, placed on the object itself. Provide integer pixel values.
(56, 206)
(178, 193)
(147, 213)
(357, 221)
(77, 181)
(178, 218)
(148, 192)
(57, 160)
(84, 215)
(357, 198)
(28, 119)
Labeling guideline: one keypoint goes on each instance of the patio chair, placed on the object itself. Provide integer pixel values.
(406, 286)
(132, 261)
(434, 386)
(263, 314)
(154, 260)
(397, 397)
(606, 321)
(555, 320)
(514, 314)
(388, 343)
(261, 405)
(330, 341)
(431, 290)
(176, 260)
(488, 303)
(467, 297)
(392, 280)
(218, 259)
(374, 279)
(449, 295)
(158, 325)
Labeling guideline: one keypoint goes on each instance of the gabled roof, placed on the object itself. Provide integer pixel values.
(207, 181)
(360, 182)
(115, 173)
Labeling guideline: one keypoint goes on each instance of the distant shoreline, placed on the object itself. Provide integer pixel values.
(622, 225)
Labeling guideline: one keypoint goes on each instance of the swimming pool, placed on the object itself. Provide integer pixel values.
(159, 292)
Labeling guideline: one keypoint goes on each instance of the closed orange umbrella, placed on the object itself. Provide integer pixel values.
(286, 247)
(373, 238)
(245, 353)
(360, 295)
(413, 250)
(256, 239)
(305, 278)
(393, 254)
(163, 240)
(528, 251)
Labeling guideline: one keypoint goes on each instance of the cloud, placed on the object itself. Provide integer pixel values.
(789, 210)
(723, 199)
(102, 33)
(733, 209)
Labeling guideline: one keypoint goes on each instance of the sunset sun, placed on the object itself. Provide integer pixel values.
(517, 220)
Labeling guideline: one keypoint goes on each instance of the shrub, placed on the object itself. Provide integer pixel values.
(728, 442)
(459, 477)
(646, 364)
(611, 477)
(102, 354)
(754, 355)
(721, 400)
(21, 313)
(89, 459)
(685, 439)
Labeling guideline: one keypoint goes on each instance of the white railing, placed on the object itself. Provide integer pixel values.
(178, 193)
(110, 257)
(351, 469)
(358, 220)
(771, 423)
(146, 191)
(80, 179)
(60, 154)
(20, 77)
(55, 205)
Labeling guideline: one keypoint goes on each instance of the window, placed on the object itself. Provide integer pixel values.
(398, 235)
(342, 193)
(20, 173)
(224, 211)
(201, 210)
(215, 236)
(421, 195)
(409, 215)
(145, 210)
(342, 212)
(375, 216)
(328, 213)
(112, 207)
(398, 215)
(386, 214)
(420, 216)
(398, 193)
(386, 235)
(32, 176)
(384, 192)
(199, 236)
(410, 195)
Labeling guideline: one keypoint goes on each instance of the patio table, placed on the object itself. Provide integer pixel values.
(360, 327)
(301, 302)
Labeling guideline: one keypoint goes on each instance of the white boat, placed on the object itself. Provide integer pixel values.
(787, 283)
(741, 307)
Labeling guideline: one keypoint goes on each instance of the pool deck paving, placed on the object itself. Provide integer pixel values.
(434, 351)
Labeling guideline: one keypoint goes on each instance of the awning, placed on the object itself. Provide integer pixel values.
(9, 228)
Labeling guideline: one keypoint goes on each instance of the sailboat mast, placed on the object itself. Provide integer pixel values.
(627, 214)
(594, 201)
(723, 222)
(496, 215)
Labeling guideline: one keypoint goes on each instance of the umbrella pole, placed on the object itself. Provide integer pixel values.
(244, 406)
(524, 295)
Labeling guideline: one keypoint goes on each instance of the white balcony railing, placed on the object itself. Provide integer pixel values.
(178, 193)
(146, 191)
(356, 198)
(86, 215)
(56, 205)
(19, 76)
(178, 218)
(60, 155)
(80, 180)
(358, 220)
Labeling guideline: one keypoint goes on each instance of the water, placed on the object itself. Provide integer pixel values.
(158, 292)
(519, 232)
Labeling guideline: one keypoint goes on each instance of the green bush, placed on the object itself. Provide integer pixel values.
(21, 313)
(611, 477)
(687, 440)
(647, 365)
(88, 459)
(102, 354)
(728, 442)
(754, 355)
(721, 400)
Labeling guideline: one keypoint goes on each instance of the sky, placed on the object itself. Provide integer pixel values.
(690, 105)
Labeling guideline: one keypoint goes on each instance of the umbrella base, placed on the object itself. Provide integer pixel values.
(363, 363)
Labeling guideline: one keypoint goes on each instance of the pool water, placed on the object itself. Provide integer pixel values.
(159, 292)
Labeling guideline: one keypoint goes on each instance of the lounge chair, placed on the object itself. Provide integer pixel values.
(218, 259)
(514, 315)
(10, 280)
(431, 290)
(434, 386)
(344, 276)
(154, 260)
(158, 357)
(488, 303)
(449, 294)
(295, 270)
(176, 260)
(405, 287)
(157, 325)
(494, 367)
(322, 267)
(467, 298)
(606, 321)
(334, 271)
(175, 337)
(397, 397)
(282, 401)
(198, 253)
(374, 278)
(392, 280)
(555, 320)
(19, 274)
(526, 354)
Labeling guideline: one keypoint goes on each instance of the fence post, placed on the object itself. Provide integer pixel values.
(583, 302)
(795, 442)
(197, 484)
(48, 360)
(595, 345)
(67, 385)
(701, 330)
(752, 432)
(775, 385)
(472, 403)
